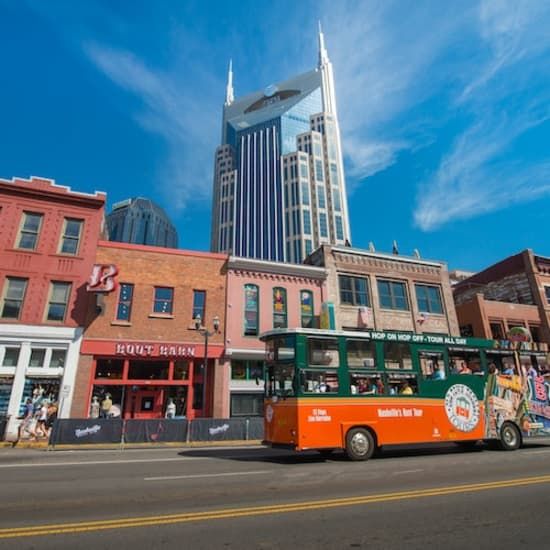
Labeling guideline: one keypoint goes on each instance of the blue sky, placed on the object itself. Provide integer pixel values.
(444, 108)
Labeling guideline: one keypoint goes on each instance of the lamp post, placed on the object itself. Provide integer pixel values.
(206, 333)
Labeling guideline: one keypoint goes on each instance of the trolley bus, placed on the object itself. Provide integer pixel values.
(357, 391)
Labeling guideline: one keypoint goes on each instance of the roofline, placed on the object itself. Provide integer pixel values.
(97, 195)
(300, 270)
(161, 250)
(395, 257)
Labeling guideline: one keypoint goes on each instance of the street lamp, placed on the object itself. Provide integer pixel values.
(206, 333)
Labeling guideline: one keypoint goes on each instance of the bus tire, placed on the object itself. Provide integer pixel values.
(359, 444)
(510, 437)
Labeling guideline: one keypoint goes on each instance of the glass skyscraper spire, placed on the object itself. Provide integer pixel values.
(279, 187)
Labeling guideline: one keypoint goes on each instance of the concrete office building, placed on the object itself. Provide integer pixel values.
(279, 188)
(141, 221)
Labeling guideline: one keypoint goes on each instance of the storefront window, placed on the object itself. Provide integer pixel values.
(39, 389)
(6, 383)
(109, 368)
(238, 370)
(181, 370)
(148, 370)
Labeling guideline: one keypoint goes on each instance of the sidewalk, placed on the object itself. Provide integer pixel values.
(118, 446)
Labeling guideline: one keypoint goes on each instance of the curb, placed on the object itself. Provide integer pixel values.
(122, 446)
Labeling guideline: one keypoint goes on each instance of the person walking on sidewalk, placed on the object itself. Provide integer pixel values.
(28, 423)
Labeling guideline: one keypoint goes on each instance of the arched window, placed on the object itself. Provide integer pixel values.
(279, 308)
(306, 308)
(251, 310)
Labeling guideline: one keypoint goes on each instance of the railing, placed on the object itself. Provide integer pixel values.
(88, 431)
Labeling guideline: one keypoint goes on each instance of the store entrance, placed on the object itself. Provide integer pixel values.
(145, 403)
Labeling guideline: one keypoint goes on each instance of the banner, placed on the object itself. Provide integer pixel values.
(159, 430)
(85, 431)
(211, 429)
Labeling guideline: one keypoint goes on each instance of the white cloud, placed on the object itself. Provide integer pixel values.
(185, 116)
(482, 171)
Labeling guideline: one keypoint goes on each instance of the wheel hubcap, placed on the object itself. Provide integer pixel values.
(360, 444)
(509, 437)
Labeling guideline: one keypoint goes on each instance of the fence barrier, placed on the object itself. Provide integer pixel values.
(87, 431)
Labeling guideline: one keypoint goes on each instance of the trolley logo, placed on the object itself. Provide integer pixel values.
(83, 432)
(462, 407)
(269, 413)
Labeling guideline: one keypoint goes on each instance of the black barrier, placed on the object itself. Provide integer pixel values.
(84, 431)
(255, 428)
(159, 430)
(212, 429)
(3, 425)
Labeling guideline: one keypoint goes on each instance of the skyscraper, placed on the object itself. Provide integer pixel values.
(279, 187)
(141, 221)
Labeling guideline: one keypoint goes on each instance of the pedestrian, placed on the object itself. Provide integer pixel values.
(28, 423)
(41, 419)
(51, 418)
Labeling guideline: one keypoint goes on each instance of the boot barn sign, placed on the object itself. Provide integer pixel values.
(133, 349)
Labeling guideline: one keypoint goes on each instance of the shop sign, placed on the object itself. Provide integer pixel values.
(102, 278)
(154, 350)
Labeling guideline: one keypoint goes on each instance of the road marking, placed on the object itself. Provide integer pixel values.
(408, 471)
(196, 476)
(95, 462)
(124, 523)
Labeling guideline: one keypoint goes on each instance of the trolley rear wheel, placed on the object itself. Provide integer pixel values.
(359, 444)
(510, 437)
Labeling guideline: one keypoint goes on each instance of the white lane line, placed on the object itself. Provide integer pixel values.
(408, 471)
(196, 476)
(95, 462)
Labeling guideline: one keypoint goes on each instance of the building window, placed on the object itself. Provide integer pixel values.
(59, 298)
(321, 197)
(11, 357)
(70, 238)
(497, 330)
(251, 294)
(393, 295)
(124, 307)
(467, 331)
(318, 170)
(38, 357)
(339, 228)
(246, 404)
(14, 293)
(279, 308)
(535, 333)
(428, 299)
(30, 228)
(306, 308)
(163, 301)
(354, 291)
(307, 222)
(247, 370)
(199, 304)
(305, 193)
(57, 359)
(323, 228)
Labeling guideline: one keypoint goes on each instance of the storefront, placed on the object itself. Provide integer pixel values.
(150, 380)
(37, 363)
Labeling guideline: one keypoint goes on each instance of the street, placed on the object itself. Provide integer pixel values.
(252, 497)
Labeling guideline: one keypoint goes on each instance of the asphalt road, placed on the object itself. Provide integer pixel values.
(239, 498)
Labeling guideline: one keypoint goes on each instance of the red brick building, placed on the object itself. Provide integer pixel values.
(48, 239)
(514, 292)
(141, 343)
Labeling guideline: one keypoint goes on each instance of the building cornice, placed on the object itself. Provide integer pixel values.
(276, 268)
